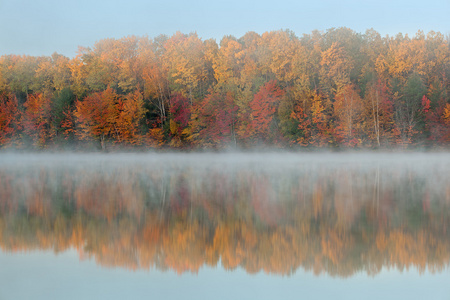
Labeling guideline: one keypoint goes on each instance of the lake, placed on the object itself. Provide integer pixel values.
(225, 226)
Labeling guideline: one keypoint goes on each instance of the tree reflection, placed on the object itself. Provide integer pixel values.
(337, 219)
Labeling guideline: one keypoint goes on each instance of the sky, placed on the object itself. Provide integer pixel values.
(42, 27)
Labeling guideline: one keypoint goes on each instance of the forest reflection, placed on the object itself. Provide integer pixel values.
(340, 217)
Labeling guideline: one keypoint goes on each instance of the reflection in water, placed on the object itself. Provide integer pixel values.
(338, 213)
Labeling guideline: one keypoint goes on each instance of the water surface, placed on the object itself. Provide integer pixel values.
(207, 225)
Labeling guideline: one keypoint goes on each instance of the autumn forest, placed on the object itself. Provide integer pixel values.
(333, 89)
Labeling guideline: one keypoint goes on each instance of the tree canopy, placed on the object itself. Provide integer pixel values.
(336, 88)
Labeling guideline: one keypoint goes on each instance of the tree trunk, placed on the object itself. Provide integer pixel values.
(376, 116)
(102, 142)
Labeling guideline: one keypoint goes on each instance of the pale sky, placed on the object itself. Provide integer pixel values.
(41, 27)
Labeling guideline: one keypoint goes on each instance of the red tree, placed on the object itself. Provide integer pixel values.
(180, 114)
(264, 106)
(8, 118)
(215, 122)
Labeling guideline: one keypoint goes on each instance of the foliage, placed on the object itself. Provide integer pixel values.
(97, 115)
(8, 119)
(324, 89)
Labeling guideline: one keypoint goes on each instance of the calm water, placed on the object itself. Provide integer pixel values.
(203, 226)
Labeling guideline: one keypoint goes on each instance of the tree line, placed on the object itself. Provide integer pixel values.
(336, 88)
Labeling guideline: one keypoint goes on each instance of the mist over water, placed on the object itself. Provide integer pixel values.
(425, 160)
(337, 214)
(359, 169)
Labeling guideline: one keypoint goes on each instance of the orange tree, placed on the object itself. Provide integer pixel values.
(97, 115)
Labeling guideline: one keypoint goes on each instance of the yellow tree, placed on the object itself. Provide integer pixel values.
(280, 47)
(78, 74)
(305, 67)
(112, 63)
(187, 65)
(98, 74)
(128, 67)
(438, 58)
(249, 82)
(53, 73)
(336, 67)
(372, 47)
(155, 75)
(407, 56)
(446, 117)
(129, 119)
(18, 74)
(227, 63)
(251, 74)
(347, 109)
